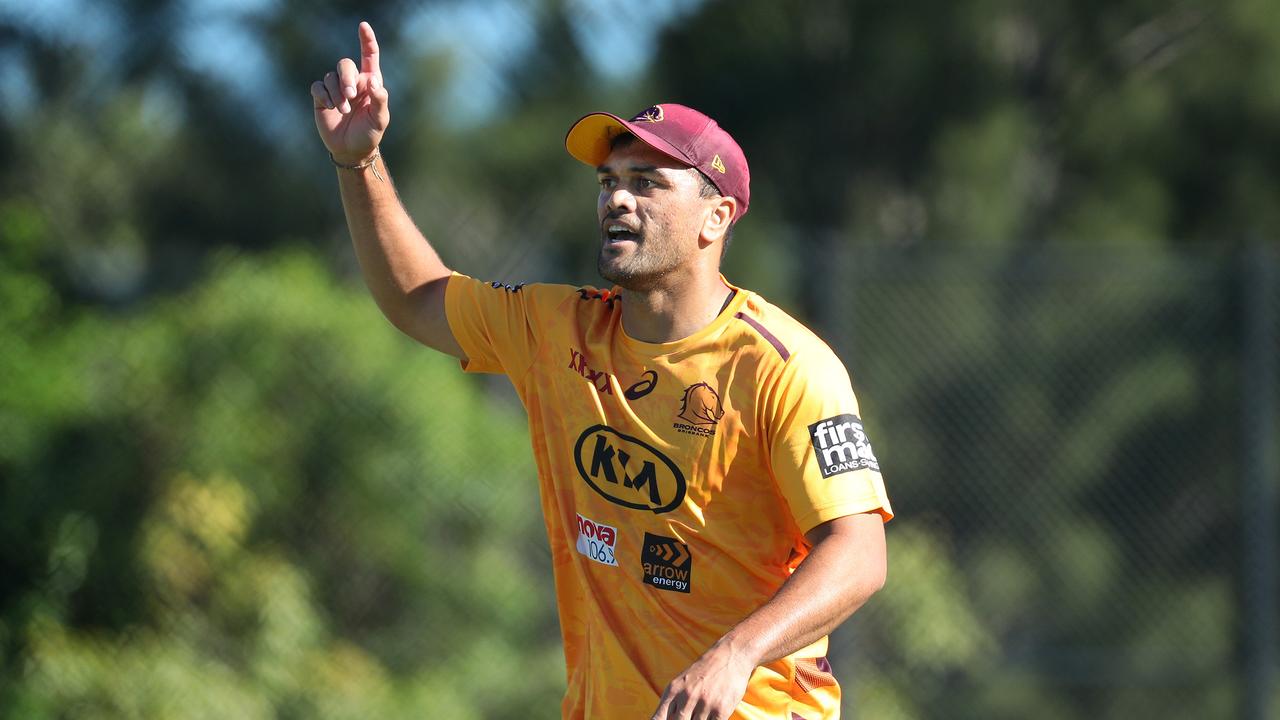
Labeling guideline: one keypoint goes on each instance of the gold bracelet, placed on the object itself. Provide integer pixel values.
(369, 163)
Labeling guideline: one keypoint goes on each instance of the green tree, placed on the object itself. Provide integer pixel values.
(256, 499)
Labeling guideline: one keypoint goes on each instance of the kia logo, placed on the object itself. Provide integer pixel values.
(628, 471)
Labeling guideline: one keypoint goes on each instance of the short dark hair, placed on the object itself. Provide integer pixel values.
(708, 189)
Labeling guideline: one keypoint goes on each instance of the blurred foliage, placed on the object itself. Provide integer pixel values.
(229, 490)
(245, 499)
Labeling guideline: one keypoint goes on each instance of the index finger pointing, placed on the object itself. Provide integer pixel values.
(369, 51)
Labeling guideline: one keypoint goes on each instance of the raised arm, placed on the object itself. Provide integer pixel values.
(404, 273)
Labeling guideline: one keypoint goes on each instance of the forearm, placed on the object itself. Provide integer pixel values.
(845, 567)
(403, 272)
(843, 570)
(395, 259)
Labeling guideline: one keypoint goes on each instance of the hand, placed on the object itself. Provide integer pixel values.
(351, 106)
(710, 689)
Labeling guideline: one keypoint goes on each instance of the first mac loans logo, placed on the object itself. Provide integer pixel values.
(841, 444)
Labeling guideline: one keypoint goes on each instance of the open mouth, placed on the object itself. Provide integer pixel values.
(617, 232)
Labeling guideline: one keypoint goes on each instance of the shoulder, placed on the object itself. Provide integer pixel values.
(530, 291)
(539, 295)
(792, 343)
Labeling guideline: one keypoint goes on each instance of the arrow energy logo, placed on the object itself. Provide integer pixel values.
(667, 563)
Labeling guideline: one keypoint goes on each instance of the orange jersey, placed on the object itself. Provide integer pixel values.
(677, 481)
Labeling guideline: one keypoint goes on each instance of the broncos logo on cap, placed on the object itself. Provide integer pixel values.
(652, 115)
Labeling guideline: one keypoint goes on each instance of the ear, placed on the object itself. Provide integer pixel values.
(719, 220)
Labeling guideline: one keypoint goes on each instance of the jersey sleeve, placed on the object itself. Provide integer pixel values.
(499, 326)
(820, 455)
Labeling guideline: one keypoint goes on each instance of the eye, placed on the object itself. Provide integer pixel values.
(608, 183)
(645, 183)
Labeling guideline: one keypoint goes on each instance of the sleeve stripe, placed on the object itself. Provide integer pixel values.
(764, 332)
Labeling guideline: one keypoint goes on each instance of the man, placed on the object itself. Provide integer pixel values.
(713, 506)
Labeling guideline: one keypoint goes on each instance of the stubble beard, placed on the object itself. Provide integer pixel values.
(641, 270)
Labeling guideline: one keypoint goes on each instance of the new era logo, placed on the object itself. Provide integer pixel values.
(840, 444)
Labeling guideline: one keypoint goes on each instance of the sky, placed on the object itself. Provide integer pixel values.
(482, 38)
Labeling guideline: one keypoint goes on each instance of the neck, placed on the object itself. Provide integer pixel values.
(676, 310)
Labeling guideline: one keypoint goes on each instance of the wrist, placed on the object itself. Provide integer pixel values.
(738, 649)
(366, 161)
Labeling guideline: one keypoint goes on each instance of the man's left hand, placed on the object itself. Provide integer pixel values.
(709, 689)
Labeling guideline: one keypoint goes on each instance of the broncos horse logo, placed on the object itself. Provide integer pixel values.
(653, 115)
(701, 405)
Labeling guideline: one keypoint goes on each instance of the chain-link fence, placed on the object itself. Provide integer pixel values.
(1082, 450)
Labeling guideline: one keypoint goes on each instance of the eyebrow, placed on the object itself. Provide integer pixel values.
(606, 170)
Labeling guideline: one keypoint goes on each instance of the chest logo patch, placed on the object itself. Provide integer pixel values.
(667, 563)
(627, 471)
(599, 379)
(643, 386)
(700, 410)
(597, 541)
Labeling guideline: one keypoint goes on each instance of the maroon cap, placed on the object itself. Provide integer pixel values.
(681, 133)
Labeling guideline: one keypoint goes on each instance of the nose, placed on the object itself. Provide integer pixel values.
(618, 199)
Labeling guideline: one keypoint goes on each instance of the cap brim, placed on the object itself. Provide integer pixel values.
(590, 138)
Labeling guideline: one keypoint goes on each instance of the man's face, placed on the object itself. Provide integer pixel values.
(651, 213)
